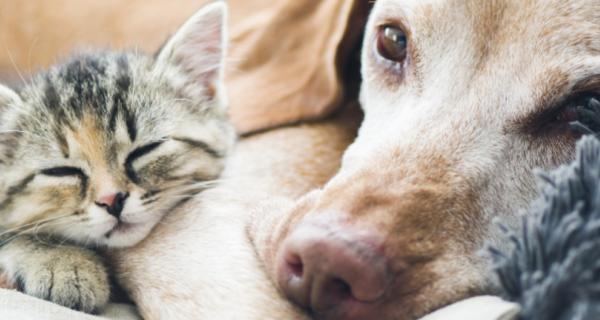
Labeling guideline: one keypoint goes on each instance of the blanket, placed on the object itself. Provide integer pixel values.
(17, 306)
(553, 268)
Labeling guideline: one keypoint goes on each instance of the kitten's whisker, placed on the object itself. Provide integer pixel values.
(12, 131)
(14, 64)
(238, 179)
(37, 95)
(32, 224)
(189, 193)
(31, 47)
(181, 191)
(51, 223)
(182, 100)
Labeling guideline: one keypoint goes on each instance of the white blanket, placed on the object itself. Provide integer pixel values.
(17, 306)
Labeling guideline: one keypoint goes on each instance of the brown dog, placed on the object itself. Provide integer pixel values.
(462, 100)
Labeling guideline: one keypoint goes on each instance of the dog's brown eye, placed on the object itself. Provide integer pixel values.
(576, 116)
(392, 44)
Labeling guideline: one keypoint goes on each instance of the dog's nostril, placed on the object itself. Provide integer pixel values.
(296, 266)
(338, 290)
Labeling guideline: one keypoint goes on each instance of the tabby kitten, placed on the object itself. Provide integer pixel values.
(95, 151)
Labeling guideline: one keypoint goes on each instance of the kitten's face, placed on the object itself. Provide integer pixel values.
(99, 149)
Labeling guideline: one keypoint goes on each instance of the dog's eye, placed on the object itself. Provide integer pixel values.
(392, 43)
(576, 116)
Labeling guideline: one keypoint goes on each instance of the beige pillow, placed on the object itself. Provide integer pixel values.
(285, 60)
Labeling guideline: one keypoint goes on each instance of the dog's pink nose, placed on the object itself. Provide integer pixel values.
(335, 273)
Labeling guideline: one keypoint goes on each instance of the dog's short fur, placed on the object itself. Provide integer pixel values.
(450, 139)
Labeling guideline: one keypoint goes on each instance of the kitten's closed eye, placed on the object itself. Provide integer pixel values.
(62, 172)
(66, 171)
(136, 154)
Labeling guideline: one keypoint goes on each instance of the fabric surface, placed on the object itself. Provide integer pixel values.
(477, 308)
(553, 268)
(17, 306)
(14, 305)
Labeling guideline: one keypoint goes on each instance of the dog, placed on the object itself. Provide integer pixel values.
(462, 100)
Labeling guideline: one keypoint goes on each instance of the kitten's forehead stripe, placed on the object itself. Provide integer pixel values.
(123, 80)
(96, 85)
(120, 96)
(112, 119)
(202, 145)
(51, 98)
(15, 190)
(21, 185)
(62, 143)
(86, 76)
(130, 123)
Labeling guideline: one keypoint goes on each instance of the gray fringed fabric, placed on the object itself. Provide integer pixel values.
(553, 271)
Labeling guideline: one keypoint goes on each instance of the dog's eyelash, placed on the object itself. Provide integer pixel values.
(576, 115)
(588, 117)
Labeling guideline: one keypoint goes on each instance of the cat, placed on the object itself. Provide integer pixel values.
(96, 150)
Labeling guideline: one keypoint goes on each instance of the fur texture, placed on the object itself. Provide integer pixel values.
(444, 149)
(98, 149)
(451, 136)
(552, 270)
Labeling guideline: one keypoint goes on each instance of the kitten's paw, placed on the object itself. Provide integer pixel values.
(69, 276)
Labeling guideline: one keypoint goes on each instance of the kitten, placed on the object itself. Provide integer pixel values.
(95, 151)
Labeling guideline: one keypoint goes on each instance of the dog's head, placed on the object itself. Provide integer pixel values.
(462, 100)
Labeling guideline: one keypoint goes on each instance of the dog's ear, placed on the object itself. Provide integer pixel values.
(287, 59)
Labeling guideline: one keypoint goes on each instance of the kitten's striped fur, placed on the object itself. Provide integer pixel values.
(96, 150)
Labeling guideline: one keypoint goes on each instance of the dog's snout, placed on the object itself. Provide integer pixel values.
(334, 271)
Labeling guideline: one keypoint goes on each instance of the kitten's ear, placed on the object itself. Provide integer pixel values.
(198, 50)
(8, 136)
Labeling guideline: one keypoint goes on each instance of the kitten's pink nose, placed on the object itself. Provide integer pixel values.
(108, 199)
(113, 203)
